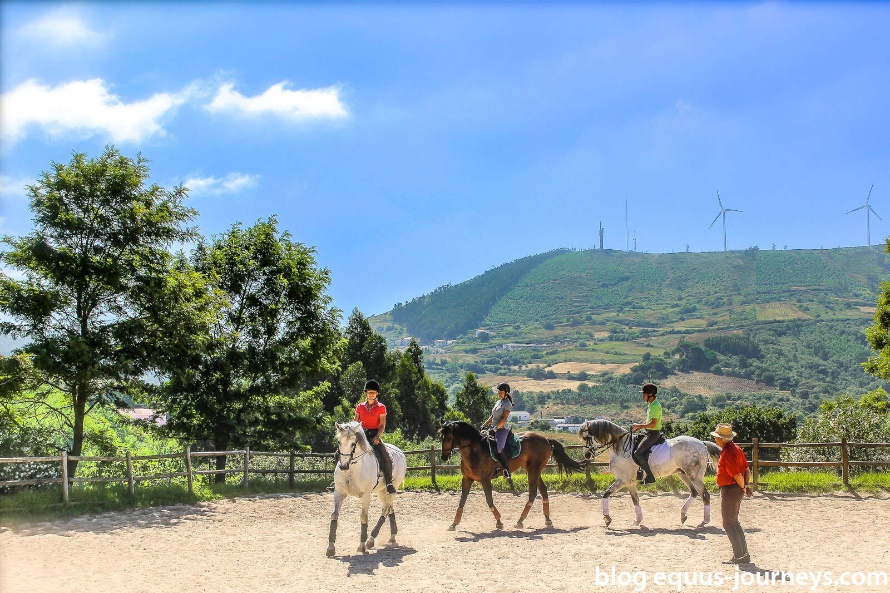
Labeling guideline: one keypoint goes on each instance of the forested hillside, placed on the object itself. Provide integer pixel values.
(563, 319)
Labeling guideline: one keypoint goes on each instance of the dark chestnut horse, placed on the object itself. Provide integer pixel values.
(476, 465)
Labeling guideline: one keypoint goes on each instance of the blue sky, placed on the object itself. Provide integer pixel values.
(419, 145)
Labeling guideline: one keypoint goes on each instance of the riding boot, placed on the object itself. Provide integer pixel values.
(387, 474)
(643, 461)
(505, 463)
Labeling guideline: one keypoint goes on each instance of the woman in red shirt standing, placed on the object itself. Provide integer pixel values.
(732, 478)
(372, 415)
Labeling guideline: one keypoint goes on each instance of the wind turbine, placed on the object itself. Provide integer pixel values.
(868, 212)
(722, 213)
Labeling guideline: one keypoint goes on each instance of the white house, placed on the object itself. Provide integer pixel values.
(520, 417)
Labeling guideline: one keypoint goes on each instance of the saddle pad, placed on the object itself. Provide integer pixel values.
(659, 455)
(512, 448)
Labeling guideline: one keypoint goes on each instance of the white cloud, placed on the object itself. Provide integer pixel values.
(59, 29)
(279, 101)
(85, 107)
(13, 188)
(231, 183)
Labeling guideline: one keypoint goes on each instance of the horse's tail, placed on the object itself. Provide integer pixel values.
(713, 453)
(563, 461)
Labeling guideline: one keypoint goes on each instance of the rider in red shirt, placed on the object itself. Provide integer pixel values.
(372, 415)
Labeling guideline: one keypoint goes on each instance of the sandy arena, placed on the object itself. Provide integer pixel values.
(277, 543)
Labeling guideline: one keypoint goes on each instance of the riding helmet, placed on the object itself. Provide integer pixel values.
(372, 385)
(503, 387)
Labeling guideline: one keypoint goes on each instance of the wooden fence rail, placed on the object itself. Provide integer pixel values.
(189, 459)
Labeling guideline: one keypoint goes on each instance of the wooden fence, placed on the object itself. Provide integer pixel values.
(190, 469)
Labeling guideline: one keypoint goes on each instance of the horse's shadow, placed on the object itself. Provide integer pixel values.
(690, 532)
(388, 555)
(537, 534)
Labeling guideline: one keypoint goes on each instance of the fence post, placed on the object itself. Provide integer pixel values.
(755, 461)
(65, 477)
(293, 466)
(246, 464)
(131, 483)
(433, 467)
(845, 463)
(188, 469)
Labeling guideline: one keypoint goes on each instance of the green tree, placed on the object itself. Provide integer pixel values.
(421, 401)
(256, 381)
(767, 424)
(864, 420)
(101, 300)
(368, 347)
(474, 400)
(878, 334)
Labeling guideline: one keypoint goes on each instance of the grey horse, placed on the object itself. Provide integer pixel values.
(686, 456)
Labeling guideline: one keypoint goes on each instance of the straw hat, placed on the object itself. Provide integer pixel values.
(724, 431)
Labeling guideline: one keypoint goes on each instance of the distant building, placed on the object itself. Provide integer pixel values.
(520, 417)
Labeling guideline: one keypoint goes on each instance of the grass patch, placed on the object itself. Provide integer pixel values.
(45, 504)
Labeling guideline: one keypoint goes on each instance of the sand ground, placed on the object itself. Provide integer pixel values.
(277, 543)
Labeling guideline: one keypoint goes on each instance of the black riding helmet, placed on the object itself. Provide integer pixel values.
(503, 387)
(372, 385)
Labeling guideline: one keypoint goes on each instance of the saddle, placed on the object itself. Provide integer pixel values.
(511, 449)
(640, 436)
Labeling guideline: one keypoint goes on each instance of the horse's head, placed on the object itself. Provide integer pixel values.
(349, 438)
(585, 435)
(446, 434)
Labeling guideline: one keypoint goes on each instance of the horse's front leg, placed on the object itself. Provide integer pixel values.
(465, 485)
(332, 533)
(612, 489)
(486, 487)
(366, 502)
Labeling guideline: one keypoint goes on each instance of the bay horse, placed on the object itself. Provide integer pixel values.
(356, 474)
(683, 455)
(477, 465)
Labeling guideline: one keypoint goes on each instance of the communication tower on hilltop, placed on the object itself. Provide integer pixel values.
(601, 235)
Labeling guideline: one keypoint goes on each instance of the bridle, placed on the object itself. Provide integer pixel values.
(352, 458)
(591, 451)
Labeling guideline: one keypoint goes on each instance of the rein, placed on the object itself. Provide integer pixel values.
(591, 451)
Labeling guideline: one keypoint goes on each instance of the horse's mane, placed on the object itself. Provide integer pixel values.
(356, 428)
(463, 430)
(605, 432)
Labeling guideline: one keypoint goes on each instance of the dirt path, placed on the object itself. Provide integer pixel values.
(277, 543)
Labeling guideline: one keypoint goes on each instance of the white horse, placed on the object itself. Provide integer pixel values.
(682, 455)
(357, 474)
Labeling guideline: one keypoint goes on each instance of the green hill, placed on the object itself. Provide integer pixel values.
(603, 312)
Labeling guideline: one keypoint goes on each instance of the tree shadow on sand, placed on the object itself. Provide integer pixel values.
(388, 555)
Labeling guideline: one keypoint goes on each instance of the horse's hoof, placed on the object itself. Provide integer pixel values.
(362, 550)
(548, 523)
(498, 525)
(392, 541)
(702, 524)
(683, 519)
(370, 543)
(607, 519)
(452, 527)
(519, 525)
(330, 551)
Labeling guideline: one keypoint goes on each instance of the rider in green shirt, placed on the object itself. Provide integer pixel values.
(652, 426)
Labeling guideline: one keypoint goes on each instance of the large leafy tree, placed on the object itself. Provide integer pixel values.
(97, 279)
(474, 400)
(368, 347)
(421, 402)
(767, 424)
(256, 381)
(879, 333)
